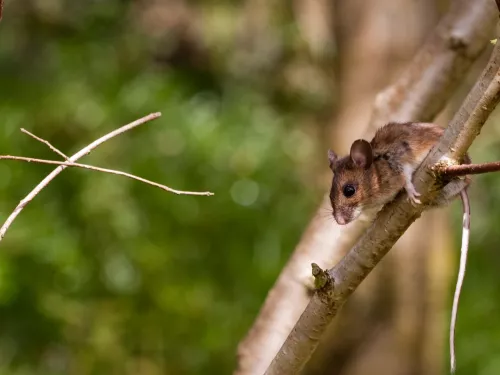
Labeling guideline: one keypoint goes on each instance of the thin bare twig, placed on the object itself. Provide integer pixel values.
(465, 169)
(391, 223)
(105, 170)
(93, 168)
(60, 153)
(84, 151)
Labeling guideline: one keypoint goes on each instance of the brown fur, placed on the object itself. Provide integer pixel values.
(393, 146)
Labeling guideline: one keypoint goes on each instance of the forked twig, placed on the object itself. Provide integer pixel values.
(71, 161)
(93, 168)
(105, 170)
(60, 153)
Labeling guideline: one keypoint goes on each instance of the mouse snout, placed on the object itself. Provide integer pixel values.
(340, 216)
(339, 219)
(345, 214)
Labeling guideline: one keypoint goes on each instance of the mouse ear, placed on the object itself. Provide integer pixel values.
(361, 153)
(332, 157)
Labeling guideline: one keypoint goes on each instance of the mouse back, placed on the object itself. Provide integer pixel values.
(405, 143)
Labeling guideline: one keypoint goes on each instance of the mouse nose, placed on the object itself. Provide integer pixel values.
(339, 219)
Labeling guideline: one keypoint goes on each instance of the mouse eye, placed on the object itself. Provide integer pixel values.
(348, 190)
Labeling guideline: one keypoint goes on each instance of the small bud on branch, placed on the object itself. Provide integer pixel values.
(320, 276)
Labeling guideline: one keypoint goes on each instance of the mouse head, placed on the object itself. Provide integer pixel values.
(351, 181)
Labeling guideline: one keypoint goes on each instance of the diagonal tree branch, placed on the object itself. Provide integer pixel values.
(390, 224)
(84, 151)
(418, 95)
(455, 44)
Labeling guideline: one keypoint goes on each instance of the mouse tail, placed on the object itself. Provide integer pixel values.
(461, 274)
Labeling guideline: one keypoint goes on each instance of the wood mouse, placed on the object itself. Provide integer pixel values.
(375, 172)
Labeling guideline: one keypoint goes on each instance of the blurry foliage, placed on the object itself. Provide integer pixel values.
(103, 275)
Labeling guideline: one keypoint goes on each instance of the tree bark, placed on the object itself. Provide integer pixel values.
(393, 323)
(390, 224)
(419, 94)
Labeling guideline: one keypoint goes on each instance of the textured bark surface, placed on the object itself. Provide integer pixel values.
(393, 319)
(445, 57)
(391, 222)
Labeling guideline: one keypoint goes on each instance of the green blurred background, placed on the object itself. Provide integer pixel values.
(105, 275)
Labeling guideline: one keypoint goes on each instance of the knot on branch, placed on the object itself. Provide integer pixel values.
(458, 43)
(439, 169)
(321, 277)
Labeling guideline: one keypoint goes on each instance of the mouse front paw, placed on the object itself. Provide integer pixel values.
(412, 195)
